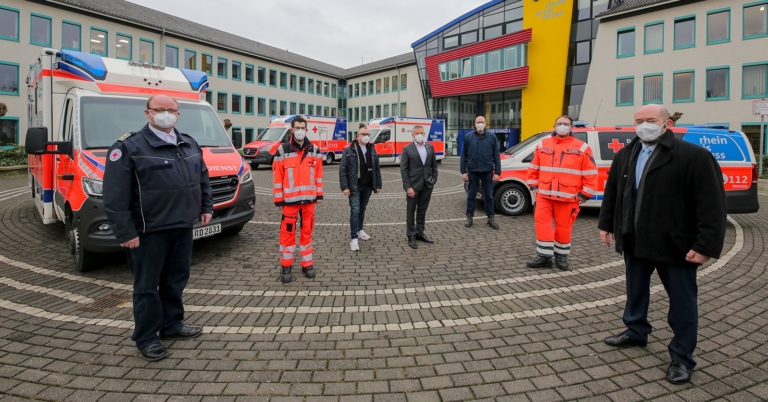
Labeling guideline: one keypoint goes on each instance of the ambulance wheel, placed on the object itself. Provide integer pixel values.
(439, 161)
(512, 199)
(254, 166)
(84, 259)
(328, 159)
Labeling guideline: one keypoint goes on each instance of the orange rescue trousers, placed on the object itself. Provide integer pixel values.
(554, 241)
(288, 234)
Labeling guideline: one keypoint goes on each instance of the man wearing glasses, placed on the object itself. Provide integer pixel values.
(156, 188)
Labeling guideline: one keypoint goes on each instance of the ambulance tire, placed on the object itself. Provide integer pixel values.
(439, 161)
(84, 260)
(328, 160)
(254, 166)
(512, 199)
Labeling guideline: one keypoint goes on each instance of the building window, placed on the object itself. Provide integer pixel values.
(493, 32)
(171, 56)
(480, 64)
(718, 84)
(450, 42)
(363, 89)
(39, 29)
(685, 32)
(273, 78)
(236, 71)
(386, 85)
(403, 109)
(625, 91)
(9, 23)
(378, 86)
(261, 76)
(302, 84)
(755, 81)
(357, 114)
(302, 108)
(261, 106)
(147, 51)
(469, 37)
(209, 97)
(378, 111)
(394, 83)
(718, 26)
(494, 61)
(273, 107)
(249, 105)
(292, 82)
(190, 59)
(755, 20)
(124, 47)
(99, 41)
(653, 89)
(333, 91)
(249, 73)
(326, 111)
(683, 84)
(443, 67)
(370, 112)
(403, 82)
(236, 104)
(207, 64)
(221, 102)
(283, 108)
(9, 130)
(292, 108)
(654, 37)
(283, 80)
(9, 78)
(311, 109)
(248, 135)
(70, 36)
(625, 42)
(466, 67)
(319, 88)
(394, 108)
(386, 110)
(582, 53)
(221, 67)
(357, 90)
(350, 92)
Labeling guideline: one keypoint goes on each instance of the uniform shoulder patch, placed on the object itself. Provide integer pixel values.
(115, 155)
(124, 136)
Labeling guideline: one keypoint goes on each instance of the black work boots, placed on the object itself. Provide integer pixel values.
(468, 223)
(546, 262)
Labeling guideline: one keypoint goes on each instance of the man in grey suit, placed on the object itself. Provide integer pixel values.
(418, 170)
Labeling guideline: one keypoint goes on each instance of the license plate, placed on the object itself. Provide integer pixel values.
(206, 231)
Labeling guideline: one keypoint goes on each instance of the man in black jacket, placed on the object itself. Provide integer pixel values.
(664, 206)
(156, 188)
(480, 163)
(359, 176)
(418, 170)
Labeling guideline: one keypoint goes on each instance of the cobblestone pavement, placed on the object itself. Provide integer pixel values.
(462, 319)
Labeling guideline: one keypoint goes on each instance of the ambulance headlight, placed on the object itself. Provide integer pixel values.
(92, 187)
(246, 177)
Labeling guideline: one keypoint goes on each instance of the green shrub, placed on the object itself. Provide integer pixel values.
(13, 156)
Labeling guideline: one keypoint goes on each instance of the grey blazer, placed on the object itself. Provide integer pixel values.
(415, 174)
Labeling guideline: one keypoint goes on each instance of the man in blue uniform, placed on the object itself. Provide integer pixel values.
(156, 188)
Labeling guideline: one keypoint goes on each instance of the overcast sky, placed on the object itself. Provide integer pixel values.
(339, 32)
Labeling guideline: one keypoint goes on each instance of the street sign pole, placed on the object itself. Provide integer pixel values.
(760, 108)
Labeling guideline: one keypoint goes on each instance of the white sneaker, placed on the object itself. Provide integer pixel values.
(353, 245)
(363, 236)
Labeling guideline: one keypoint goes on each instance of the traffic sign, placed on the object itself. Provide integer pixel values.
(760, 108)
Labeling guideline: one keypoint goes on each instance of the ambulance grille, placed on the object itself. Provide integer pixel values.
(250, 151)
(224, 188)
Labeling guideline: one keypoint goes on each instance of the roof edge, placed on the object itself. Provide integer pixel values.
(465, 15)
(633, 10)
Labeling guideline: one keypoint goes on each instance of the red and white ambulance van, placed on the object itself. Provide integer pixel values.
(731, 149)
(390, 134)
(79, 104)
(328, 133)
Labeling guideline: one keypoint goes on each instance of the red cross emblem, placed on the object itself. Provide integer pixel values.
(615, 145)
(115, 155)
(314, 129)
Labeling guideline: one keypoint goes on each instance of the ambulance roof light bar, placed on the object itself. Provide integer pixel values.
(89, 66)
(146, 65)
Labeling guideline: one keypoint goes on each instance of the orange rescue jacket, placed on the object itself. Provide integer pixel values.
(563, 168)
(297, 174)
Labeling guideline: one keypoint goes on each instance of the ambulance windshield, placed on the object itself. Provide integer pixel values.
(272, 134)
(374, 132)
(104, 119)
(523, 144)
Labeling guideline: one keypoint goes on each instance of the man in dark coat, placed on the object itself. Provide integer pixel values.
(664, 205)
(359, 176)
(480, 165)
(418, 170)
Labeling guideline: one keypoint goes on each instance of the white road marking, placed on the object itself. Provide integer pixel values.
(48, 291)
(2, 193)
(10, 195)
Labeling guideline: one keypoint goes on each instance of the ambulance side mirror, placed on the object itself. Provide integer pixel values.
(237, 139)
(37, 143)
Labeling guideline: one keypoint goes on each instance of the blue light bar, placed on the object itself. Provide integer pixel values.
(90, 64)
(196, 78)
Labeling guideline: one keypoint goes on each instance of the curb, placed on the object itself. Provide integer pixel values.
(762, 186)
(9, 170)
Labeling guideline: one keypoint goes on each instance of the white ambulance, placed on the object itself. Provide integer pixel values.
(328, 133)
(390, 134)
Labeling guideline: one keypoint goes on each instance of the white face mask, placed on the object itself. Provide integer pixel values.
(165, 119)
(648, 132)
(300, 134)
(419, 138)
(562, 130)
(480, 126)
(365, 139)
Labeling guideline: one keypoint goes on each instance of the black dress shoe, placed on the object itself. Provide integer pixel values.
(153, 352)
(623, 340)
(412, 243)
(678, 374)
(186, 332)
(424, 238)
(309, 271)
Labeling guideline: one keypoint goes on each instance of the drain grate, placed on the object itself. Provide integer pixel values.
(107, 302)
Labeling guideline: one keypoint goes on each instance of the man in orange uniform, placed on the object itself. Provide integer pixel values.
(562, 175)
(297, 186)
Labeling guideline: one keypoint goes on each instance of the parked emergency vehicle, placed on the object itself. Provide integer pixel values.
(328, 133)
(79, 104)
(390, 134)
(731, 149)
